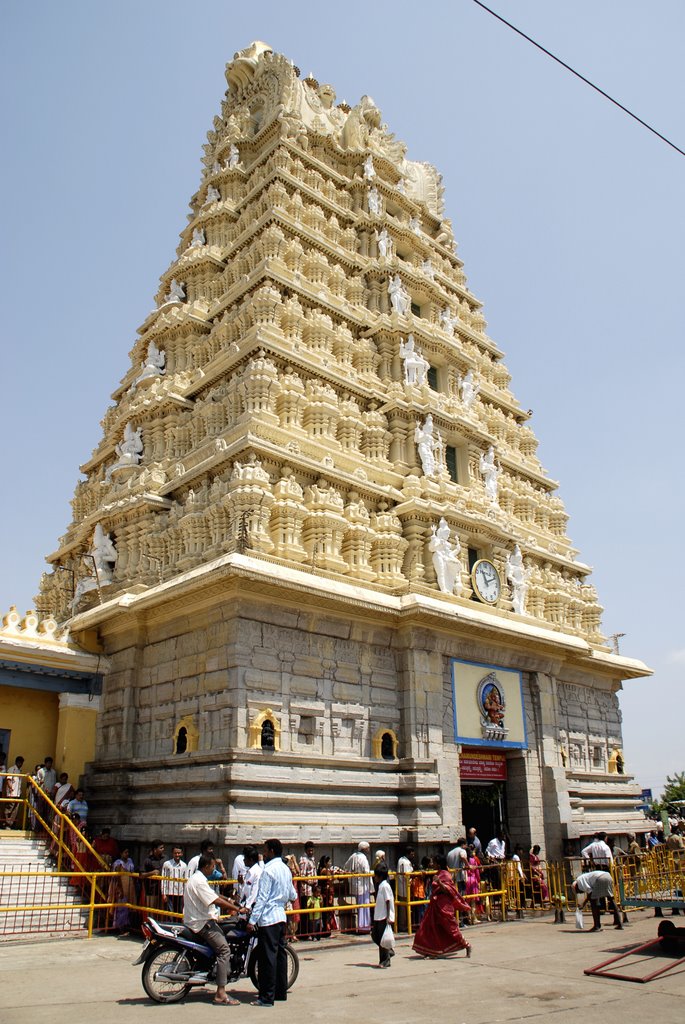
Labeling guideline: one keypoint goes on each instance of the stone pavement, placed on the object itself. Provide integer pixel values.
(525, 970)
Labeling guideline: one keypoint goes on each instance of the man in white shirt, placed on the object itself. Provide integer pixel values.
(497, 847)
(12, 790)
(268, 916)
(253, 872)
(405, 866)
(174, 873)
(200, 914)
(360, 886)
(207, 850)
(598, 852)
(383, 913)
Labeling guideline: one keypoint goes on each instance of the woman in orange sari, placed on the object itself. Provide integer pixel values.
(439, 932)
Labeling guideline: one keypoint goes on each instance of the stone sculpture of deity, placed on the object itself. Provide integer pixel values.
(415, 225)
(369, 169)
(213, 195)
(233, 157)
(399, 296)
(490, 473)
(428, 445)
(446, 561)
(448, 321)
(176, 293)
(428, 269)
(130, 448)
(198, 238)
(104, 555)
(384, 243)
(518, 576)
(416, 366)
(374, 201)
(154, 364)
(469, 390)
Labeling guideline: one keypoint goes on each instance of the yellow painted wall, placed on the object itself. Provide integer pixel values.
(75, 742)
(32, 716)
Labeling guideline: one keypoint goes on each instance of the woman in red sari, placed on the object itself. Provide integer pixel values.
(439, 932)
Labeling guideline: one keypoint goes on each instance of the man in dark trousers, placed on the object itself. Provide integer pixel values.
(268, 917)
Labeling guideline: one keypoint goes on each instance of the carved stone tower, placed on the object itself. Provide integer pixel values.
(316, 524)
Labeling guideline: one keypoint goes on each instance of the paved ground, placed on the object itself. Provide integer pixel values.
(524, 970)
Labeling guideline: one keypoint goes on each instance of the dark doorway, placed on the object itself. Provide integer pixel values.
(484, 808)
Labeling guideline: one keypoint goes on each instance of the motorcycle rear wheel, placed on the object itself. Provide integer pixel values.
(293, 967)
(159, 989)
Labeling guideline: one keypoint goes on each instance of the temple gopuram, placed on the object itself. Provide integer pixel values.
(331, 580)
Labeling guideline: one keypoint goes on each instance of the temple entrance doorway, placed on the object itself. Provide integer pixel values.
(484, 808)
(483, 792)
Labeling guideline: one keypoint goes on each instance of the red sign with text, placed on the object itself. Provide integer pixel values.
(486, 767)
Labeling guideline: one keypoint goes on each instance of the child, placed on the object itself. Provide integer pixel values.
(383, 913)
(314, 903)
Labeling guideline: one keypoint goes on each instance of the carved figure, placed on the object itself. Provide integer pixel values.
(448, 321)
(518, 576)
(415, 365)
(104, 553)
(369, 169)
(374, 201)
(131, 448)
(216, 167)
(233, 157)
(360, 121)
(399, 297)
(427, 445)
(176, 293)
(154, 364)
(469, 390)
(384, 243)
(401, 187)
(490, 472)
(213, 195)
(427, 268)
(415, 225)
(446, 561)
(198, 238)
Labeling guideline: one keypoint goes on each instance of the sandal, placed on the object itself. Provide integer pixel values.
(228, 1001)
(468, 952)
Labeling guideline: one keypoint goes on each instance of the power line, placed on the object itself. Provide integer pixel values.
(582, 78)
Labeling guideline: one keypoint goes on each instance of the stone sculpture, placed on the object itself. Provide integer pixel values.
(198, 238)
(399, 296)
(469, 390)
(415, 225)
(101, 557)
(415, 365)
(369, 169)
(384, 243)
(176, 293)
(153, 365)
(428, 270)
(446, 561)
(213, 195)
(374, 201)
(448, 321)
(490, 472)
(427, 444)
(233, 157)
(518, 576)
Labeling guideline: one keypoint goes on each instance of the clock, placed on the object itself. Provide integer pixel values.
(485, 580)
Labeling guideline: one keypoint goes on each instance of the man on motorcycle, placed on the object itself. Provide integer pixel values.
(200, 914)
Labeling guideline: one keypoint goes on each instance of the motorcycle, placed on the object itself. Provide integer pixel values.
(175, 961)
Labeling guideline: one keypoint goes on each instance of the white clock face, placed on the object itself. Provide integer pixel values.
(486, 581)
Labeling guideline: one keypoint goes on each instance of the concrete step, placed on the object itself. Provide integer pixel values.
(43, 891)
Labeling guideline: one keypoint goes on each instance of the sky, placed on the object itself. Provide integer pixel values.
(568, 214)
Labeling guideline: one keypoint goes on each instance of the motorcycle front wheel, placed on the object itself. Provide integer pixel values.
(168, 959)
(293, 967)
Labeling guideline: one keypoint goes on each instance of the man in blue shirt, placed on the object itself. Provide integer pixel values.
(268, 917)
